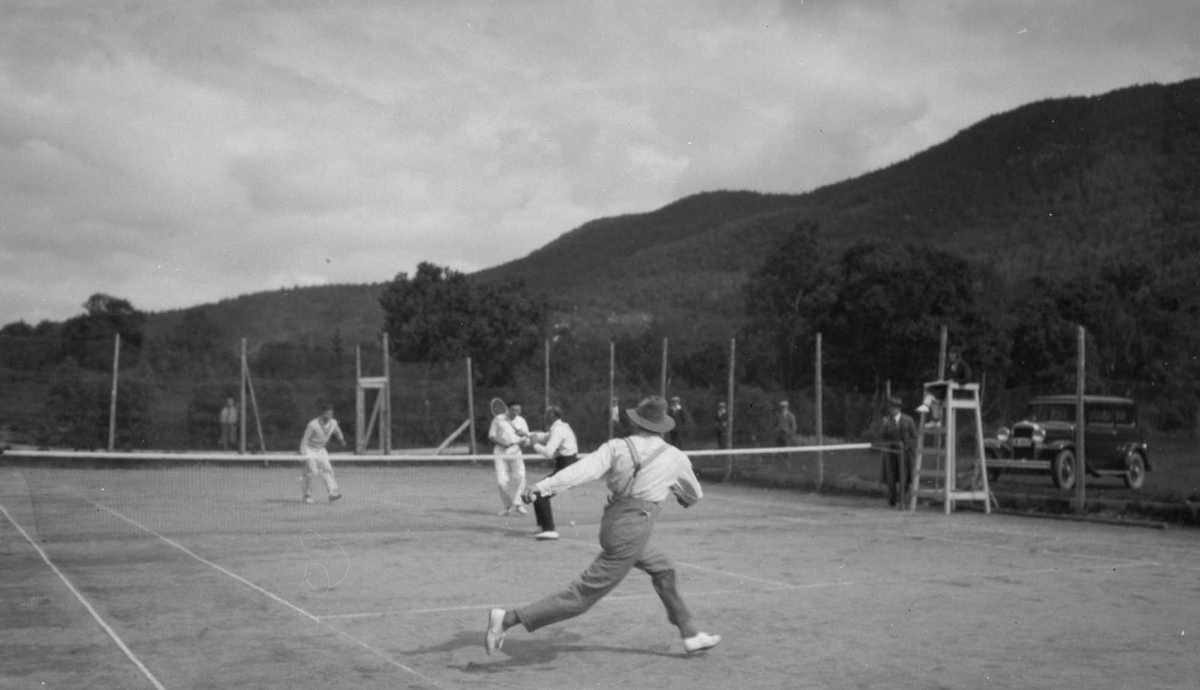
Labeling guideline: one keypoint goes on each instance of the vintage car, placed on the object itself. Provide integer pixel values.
(1045, 441)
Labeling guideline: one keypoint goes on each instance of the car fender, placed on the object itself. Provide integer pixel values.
(1059, 446)
(1138, 448)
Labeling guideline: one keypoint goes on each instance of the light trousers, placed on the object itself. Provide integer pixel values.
(510, 476)
(316, 464)
(625, 544)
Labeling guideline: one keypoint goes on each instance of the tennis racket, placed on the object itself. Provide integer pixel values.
(498, 407)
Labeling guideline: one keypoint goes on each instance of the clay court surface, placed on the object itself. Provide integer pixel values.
(219, 577)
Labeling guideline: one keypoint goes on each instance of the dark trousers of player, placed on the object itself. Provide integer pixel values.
(541, 507)
(897, 472)
(625, 544)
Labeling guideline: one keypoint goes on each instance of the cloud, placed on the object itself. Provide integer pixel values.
(176, 153)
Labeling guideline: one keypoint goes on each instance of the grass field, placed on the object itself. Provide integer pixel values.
(219, 577)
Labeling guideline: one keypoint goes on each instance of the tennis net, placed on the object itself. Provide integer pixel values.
(88, 495)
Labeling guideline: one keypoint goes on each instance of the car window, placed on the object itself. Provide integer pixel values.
(1124, 416)
(1099, 415)
(1051, 413)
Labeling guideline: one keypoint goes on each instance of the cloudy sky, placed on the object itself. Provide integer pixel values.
(177, 152)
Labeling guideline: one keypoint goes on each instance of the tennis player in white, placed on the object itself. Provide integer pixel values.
(507, 433)
(316, 459)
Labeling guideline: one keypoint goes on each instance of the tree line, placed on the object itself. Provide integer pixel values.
(879, 307)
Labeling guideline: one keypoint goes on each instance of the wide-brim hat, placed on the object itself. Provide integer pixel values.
(651, 414)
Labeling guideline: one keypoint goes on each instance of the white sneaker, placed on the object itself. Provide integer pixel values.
(522, 510)
(493, 639)
(548, 534)
(700, 642)
(923, 409)
(308, 499)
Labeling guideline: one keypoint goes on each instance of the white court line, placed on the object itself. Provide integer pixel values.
(87, 605)
(316, 619)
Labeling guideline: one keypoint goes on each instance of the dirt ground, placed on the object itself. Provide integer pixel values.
(389, 589)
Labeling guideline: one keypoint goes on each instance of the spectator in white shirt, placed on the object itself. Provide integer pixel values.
(558, 444)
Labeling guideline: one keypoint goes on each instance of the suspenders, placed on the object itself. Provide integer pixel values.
(638, 465)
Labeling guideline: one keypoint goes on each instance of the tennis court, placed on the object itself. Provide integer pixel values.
(215, 575)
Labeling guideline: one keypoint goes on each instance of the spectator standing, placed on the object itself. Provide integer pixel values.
(675, 409)
(722, 425)
(785, 426)
(899, 437)
(228, 419)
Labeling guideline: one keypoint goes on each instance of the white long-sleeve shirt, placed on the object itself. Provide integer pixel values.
(506, 434)
(668, 473)
(560, 441)
(318, 434)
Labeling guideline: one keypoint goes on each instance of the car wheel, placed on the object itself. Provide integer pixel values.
(1062, 469)
(1136, 476)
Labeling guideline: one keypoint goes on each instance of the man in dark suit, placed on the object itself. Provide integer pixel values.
(899, 440)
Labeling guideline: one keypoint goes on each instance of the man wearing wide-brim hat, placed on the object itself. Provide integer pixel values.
(899, 441)
(642, 471)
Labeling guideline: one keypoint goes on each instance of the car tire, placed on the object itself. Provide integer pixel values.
(1063, 469)
(1135, 478)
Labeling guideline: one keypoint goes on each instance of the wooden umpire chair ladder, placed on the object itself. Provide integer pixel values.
(936, 458)
(382, 410)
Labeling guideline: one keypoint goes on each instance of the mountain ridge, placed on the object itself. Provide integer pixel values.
(1053, 185)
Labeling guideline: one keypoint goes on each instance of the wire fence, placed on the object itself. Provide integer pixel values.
(165, 401)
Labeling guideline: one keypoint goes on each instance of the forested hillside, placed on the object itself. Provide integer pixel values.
(1049, 188)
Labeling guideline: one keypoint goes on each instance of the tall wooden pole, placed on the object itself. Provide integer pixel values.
(112, 403)
(546, 398)
(612, 386)
(471, 405)
(663, 386)
(386, 428)
(820, 422)
(1080, 423)
(242, 412)
(360, 404)
(942, 357)
(729, 394)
